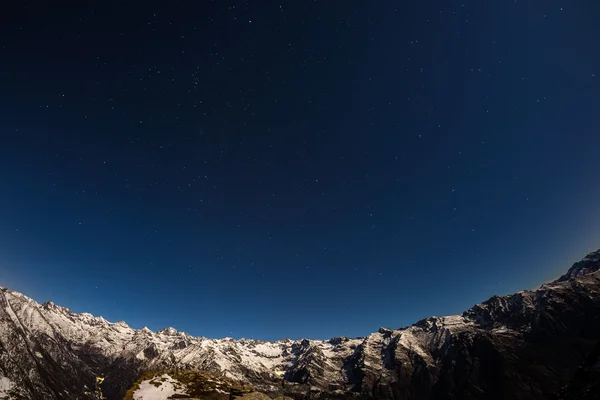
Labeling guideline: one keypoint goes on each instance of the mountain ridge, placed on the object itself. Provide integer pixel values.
(591, 263)
(501, 343)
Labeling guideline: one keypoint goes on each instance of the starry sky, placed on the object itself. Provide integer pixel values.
(295, 168)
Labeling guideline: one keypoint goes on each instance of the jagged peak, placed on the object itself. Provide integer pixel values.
(146, 330)
(170, 331)
(385, 331)
(122, 323)
(336, 341)
(589, 265)
(428, 323)
(49, 305)
(593, 256)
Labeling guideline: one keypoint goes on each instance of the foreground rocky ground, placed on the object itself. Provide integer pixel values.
(191, 385)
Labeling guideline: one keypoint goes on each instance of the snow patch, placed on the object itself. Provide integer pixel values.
(410, 342)
(167, 388)
(455, 323)
(6, 386)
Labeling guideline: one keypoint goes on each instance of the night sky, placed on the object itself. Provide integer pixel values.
(298, 168)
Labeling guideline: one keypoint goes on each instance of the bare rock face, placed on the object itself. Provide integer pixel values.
(527, 346)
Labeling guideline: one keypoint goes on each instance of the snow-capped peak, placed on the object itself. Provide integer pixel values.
(168, 331)
(146, 330)
(589, 265)
(121, 324)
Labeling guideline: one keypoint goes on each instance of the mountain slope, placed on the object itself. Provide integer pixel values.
(585, 384)
(522, 346)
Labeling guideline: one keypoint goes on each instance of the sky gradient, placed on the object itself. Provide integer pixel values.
(295, 169)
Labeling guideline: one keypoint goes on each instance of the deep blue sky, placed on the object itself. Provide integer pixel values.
(297, 168)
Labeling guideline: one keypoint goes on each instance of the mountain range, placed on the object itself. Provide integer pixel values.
(534, 344)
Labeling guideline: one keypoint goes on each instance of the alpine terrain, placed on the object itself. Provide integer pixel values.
(539, 344)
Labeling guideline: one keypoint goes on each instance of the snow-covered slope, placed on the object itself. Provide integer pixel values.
(160, 388)
(524, 345)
